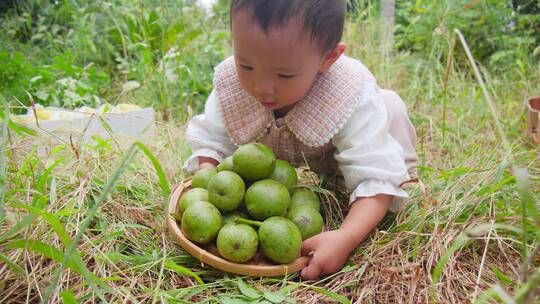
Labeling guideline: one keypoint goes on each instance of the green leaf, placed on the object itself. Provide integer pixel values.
(456, 245)
(51, 219)
(12, 264)
(16, 127)
(274, 297)
(22, 129)
(68, 297)
(233, 300)
(183, 270)
(43, 249)
(332, 295)
(361, 271)
(105, 125)
(349, 268)
(494, 187)
(501, 276)
(44, 178)
(497, 56)
(289, 300)
(248, 290)
(66, 212)
(289, 288)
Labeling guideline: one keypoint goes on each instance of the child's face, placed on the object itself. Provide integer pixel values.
(278, 67)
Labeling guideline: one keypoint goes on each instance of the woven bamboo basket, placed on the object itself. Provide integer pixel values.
(208, 254)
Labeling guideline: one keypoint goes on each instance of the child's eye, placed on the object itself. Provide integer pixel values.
(246, 67)
(285, 76)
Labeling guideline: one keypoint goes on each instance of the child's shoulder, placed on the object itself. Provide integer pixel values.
(354, 67)
(226, 63)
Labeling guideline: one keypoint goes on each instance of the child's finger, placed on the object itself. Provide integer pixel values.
(308, 246)
(312, 271)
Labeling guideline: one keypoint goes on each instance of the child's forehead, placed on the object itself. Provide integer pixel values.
(286, 20)
(291, 32)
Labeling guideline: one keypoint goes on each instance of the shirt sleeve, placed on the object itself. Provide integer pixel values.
(207, 136)
(370, 159)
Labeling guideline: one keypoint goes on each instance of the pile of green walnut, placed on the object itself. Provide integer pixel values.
(273, 214)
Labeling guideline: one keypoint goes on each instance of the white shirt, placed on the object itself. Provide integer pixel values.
(369, 158)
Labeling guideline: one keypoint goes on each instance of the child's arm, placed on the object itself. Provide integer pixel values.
(207, 137)
(373, 167)
(364, 215)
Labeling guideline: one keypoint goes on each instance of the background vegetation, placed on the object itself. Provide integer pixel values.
(83, 223)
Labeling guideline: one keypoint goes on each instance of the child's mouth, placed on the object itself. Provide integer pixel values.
(268, 103)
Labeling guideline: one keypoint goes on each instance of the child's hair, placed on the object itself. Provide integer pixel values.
(322, 18)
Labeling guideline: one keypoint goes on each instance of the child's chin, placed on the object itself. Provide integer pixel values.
(270, 105)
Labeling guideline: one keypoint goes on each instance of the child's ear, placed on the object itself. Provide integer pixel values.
(332, 56)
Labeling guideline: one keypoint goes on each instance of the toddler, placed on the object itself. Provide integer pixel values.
(290, 86)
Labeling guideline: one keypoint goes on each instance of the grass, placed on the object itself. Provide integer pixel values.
(84, 223)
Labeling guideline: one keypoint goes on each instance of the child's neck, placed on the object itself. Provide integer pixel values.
(279, 113)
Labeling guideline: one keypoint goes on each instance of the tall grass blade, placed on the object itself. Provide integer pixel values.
(68, 297)
(108, 188)
(16, 127)
(183, 270)
(503, 295)
(461, 241)
(86, 223)
(65, 239)
(487, 96)
(51, 219)
(445, 86)
(164, 183)
(3, 156)
(39, 201)
(495, 292)
(12, 264)
(528, 205)
(43, 249)
(58, 256)
(332, 295)
(522, 295)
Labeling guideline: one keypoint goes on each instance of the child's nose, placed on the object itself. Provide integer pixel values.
(264, 87)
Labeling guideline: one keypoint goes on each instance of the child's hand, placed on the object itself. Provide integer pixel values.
(206, 165)
(205, 162)
(329, 251)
